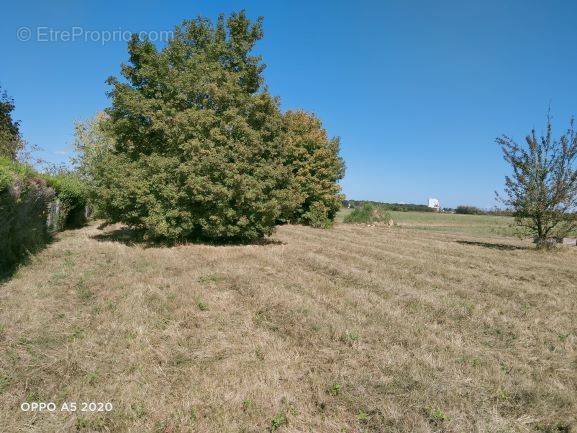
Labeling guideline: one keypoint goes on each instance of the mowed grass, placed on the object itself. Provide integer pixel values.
(354, 329)
(479, 225)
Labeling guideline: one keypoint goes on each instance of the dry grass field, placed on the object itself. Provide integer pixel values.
(410, 328)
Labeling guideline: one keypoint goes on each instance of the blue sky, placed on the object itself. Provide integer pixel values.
(417, 90)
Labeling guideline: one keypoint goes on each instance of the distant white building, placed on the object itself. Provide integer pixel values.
(435, 204)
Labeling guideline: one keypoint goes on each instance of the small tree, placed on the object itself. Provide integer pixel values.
(10, 142)
(542, 191)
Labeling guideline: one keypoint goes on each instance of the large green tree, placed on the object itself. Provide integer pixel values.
(10, 141)
(198, 147)
(316, 166)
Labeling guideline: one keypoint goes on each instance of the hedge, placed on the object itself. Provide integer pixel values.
(24, 199)
(396, 207)
(32, 206)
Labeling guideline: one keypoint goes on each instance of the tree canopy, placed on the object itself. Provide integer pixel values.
(10, 142)
(316, 168)
(198, 147)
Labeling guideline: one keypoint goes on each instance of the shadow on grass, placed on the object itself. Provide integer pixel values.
(132, 237)
(9, 267)
(501, 247)
(7, 271)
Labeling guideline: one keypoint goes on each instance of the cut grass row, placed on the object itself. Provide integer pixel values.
(352, 329)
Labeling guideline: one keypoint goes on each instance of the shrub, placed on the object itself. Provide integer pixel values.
(317, 215)
(468, 210)
(368, 214)
(11, 171)
(24, 198)
(72, 195)
(197, 138)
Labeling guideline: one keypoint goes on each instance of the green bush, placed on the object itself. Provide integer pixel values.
(24, 198)
(11, 171)
(72, 194)
(317, 215)
(468, 210)
(368, 214)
